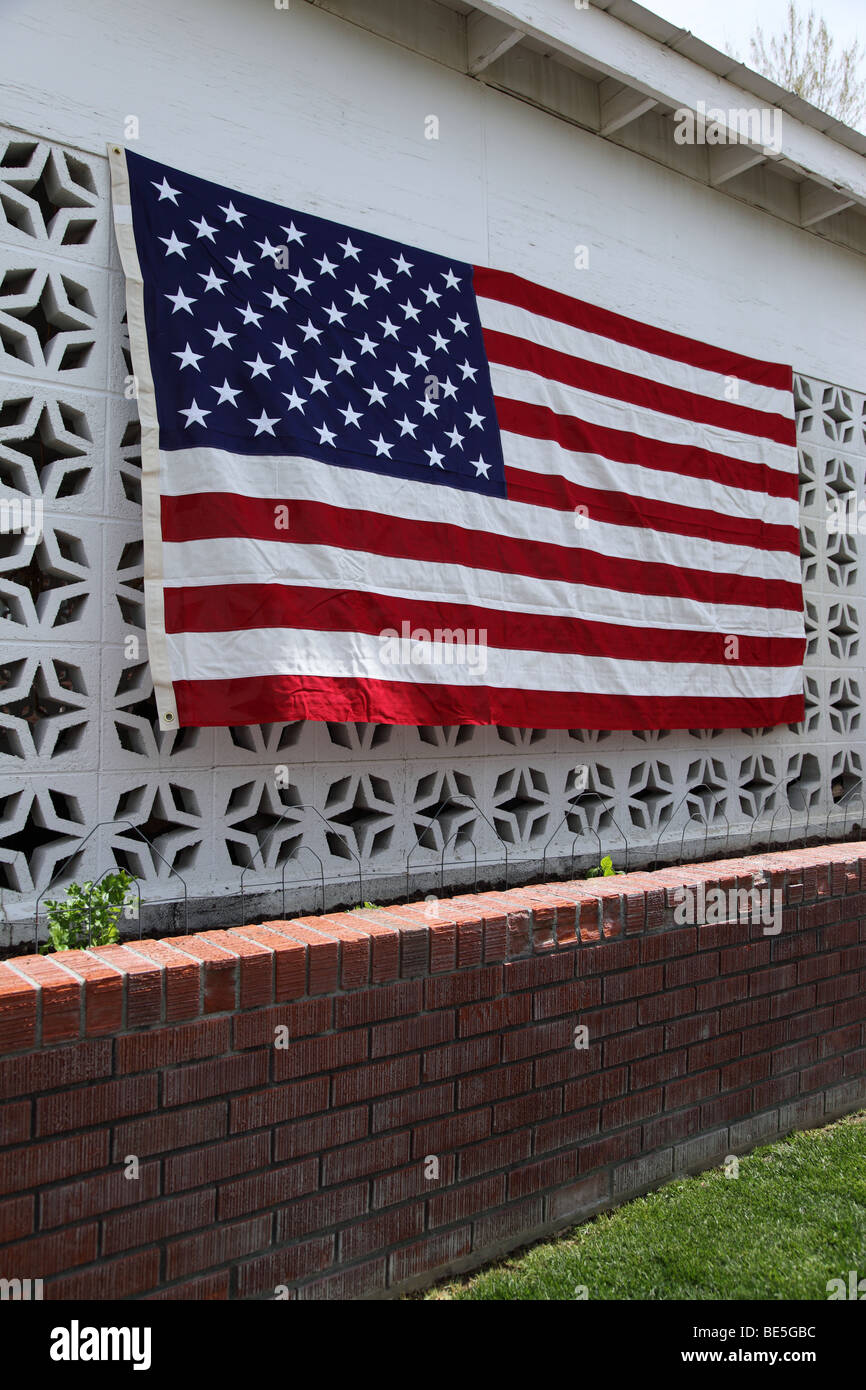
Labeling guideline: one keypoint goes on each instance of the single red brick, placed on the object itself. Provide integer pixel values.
(103, 992)
(723, 991)
(75, 1201)
(495, 1153)
(570, 1062)
(95, 1104)
(535, 1177)
(672, 1004)
(51, 1160)
(405, 1183)
(714, 1051)
(769, 1093)
(608, 957)
(258, 1027)
(494, 1015)
(219, 1245)
(793, 1001)
(354, 1283)
(264, 1191)
(591, 1090)
(726, 1108)
(373, 1005)
(747, 957)
(201, 1080)
(424, 1103)
(143, 1225)
(651, 1071)
(17, 1218)
(841, 1040)
(569, 998)
(734, 1018)
(45, 1255)
(325, 1132)
(181, 978)
(451, 1132)
(143, 981)
(382, 1231)
(163, 1133)
(566, 1131)
(467, 1056)
(284, 1102)
(14, 1122)
(227, 1159)
(255, 964)
(526, 1110)
(290, 960)
(110, 1279)
(765, 1037)
(615, 1148)
(617, 1018)
(746, 1071)
(326, 1053)
(285, 1267)
(436, 1252)
(669, 1129)
(322, 1211)
(60, 995)
(511, 1221)
(642, 1042)
(815, 1021)
(359, 1160)
(626, 1110)
(691, 1089)
(542, 1037)
(378, 1079)
(630, 984)
(822, 1074)
(353, 945)
(411, 1034)
(460, 988)
(494, 1085)
(18, 998)
(166, 1047)
(540, 970)
(219, 972)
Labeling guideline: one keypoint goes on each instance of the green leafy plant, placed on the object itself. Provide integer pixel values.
(363, 905)
(604, 869)
(88, 915)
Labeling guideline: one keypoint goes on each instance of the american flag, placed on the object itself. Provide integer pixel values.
(383, 485)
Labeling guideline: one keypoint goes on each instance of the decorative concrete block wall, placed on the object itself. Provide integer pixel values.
(504, 185)
(303, 802)
(352, 1105)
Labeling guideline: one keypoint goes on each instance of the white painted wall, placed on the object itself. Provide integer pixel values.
(302, 107)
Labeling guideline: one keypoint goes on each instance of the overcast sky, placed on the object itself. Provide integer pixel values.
(726, 23)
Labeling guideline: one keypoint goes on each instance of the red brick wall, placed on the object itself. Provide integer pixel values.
(432, 1030)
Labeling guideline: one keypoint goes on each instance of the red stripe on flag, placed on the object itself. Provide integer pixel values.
(211, 516)
(626, 509)
(578, 436)
(552, 365)
(524, 294)
(280, 699)
(240, 607)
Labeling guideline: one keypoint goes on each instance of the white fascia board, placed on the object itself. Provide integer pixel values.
(591, 36)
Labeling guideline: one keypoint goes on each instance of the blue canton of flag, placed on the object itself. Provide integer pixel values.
(276, 332)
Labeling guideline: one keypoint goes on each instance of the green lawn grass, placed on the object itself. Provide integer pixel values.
(793, 1219)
